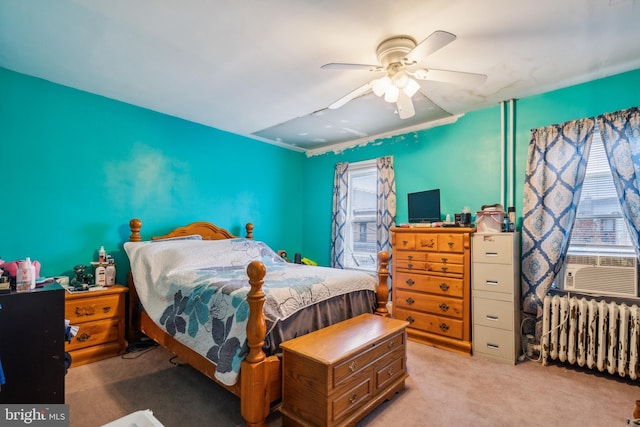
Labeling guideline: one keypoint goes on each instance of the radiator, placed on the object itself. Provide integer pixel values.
(593, 334)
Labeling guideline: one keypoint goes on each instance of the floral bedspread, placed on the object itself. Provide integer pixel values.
(197, 290)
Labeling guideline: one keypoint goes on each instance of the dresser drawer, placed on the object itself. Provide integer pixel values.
(493, 313)
(411, 256)
(93, 333)
(405, 241)
(390, 370)
(493, 278)
(431, 323)
(445, 286)
(450, 243)
(494, 342)
(434, 304)
(89, 309)
(348, 368)
(352, 399)
(492, 248)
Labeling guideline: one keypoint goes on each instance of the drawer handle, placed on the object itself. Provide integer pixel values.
(492, 282)
(491, 253)
(444, 286)
(353, 398)
(409, 266)
(493, 346)
(390, 371)
(391, 344)
(492, 318)
(444, 327)
(410, 282)
(444, 307)
(106, 309)
(353, 366)
(444, 269)
(410, 257)
(410, 300)
(410, 319)
(450, 244)
(405, 242)
(444, 260)
(83, 337)
(88, 310)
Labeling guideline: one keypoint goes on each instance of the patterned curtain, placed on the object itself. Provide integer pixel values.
(386, 202)
(621, 137)
(339, 215)
(555, 169)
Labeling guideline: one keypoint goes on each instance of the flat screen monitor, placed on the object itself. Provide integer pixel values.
(424, 206)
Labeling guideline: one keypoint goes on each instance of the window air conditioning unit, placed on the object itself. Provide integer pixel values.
(601, 274)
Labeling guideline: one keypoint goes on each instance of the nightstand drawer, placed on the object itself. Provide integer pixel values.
(92, 333)
(90, 309)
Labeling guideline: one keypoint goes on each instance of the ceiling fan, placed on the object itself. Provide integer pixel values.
(399, 58)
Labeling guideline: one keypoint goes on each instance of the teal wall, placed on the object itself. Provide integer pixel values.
(462, 159)
(77, 167)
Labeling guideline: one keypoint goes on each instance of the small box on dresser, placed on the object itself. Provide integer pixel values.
(496, 296)
(99, 316)
(336, 375)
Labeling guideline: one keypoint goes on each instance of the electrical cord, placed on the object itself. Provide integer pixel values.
(524, 354)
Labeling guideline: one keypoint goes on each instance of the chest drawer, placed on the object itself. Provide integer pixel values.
(445, 286)
(492, 248)
(493, 278)
(452, 307)
(89, 309)
(493, 313)
(342, 371)
(440, 325)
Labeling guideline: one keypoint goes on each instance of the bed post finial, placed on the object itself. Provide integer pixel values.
(134, 225)
(249, 228)
(383, 289)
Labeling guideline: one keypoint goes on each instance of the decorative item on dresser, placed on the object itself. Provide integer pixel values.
(495, 273)
(336, 375)
(431, 285)
(99, 316)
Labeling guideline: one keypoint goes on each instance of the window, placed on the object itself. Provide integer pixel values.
(599, 226)
(361, 232)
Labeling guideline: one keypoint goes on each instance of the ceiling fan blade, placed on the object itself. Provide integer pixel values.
(351, 95)
(449, 76)
(343, 66)
(436, 41)
(405, 106)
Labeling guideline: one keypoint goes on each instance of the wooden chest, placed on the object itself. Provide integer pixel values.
(431, 285)
(337, 375)
(99, 316)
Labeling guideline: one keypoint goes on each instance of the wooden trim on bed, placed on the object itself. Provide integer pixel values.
(260, 382)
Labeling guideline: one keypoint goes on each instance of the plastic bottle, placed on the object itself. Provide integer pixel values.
(110, 273)
(102, 255)
(25, 276)
(101, 275)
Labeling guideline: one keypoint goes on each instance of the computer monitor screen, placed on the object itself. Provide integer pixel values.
(424, 206)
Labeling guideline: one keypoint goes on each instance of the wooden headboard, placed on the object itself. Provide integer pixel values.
(207, 230)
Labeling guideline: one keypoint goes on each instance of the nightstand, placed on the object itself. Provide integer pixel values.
(99, 316)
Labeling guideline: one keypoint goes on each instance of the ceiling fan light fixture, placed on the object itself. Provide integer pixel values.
(411, 88)
(421, 74)
(391, 94)
(380, 85)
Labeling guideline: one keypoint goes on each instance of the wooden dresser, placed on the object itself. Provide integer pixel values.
(431, 285)
(338, 374)
(99, 316)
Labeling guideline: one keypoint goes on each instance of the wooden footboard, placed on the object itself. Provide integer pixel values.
(260, 382)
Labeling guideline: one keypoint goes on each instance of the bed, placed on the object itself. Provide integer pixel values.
(244, 358)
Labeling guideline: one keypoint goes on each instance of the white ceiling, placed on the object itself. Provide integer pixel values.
(252, 67)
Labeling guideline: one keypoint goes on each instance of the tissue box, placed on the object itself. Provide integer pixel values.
(489, 221)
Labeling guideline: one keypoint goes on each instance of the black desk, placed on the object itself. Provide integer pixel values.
(32, 345)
